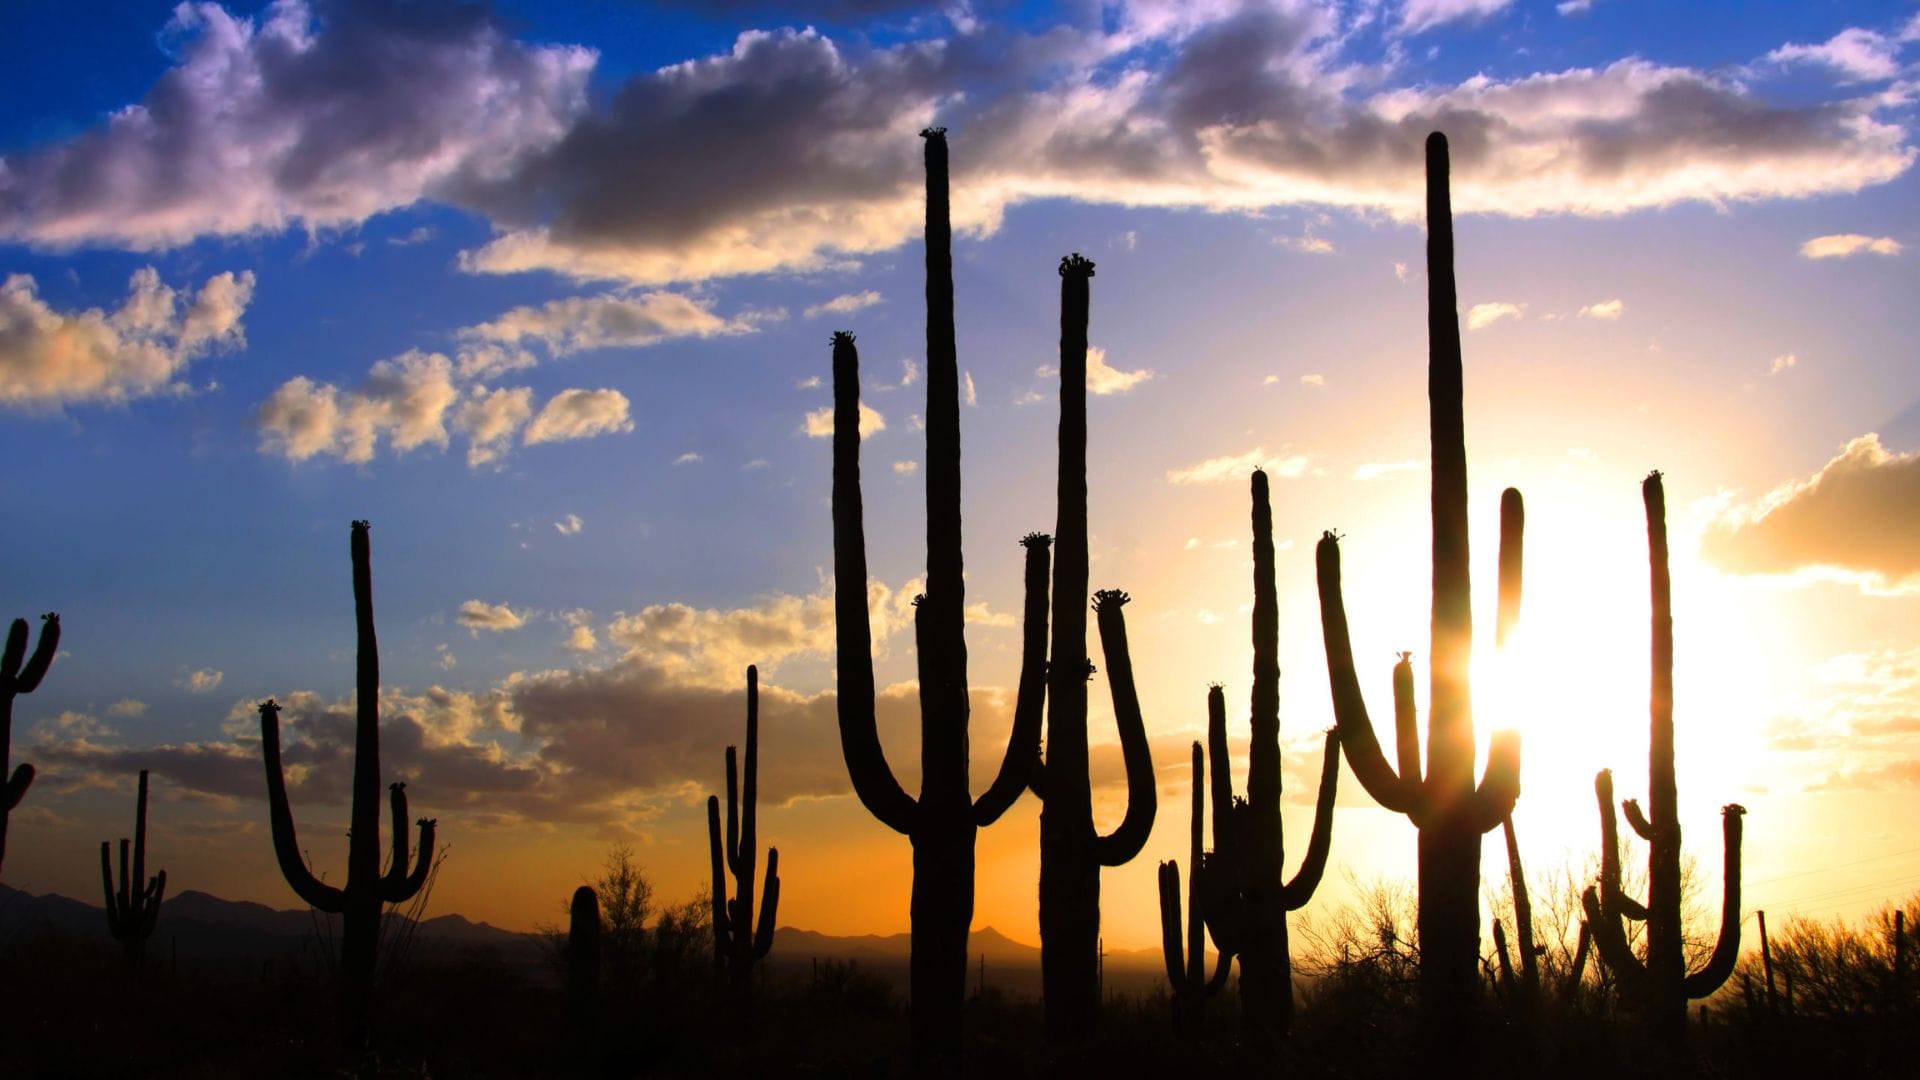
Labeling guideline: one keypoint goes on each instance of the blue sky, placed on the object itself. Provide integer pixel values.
(544, 290)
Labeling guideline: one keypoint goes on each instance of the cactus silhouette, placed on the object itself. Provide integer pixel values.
(1449, 811)
(1661, 985)
(583, 967)
(737, 942)
(1526, 990)
(1186, 964)
(1071, 852)
(358, 902)
(942, 822)
(135, 907)
(1248, 896)
(20, 674)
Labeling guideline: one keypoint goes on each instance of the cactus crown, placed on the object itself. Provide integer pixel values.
(1036, 539)
(1114, 598)
(843, 337)
(930, 132)
(1076, 265)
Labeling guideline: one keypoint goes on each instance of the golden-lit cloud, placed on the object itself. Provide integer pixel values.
(819, 422)
(490, 419)
(50, 358)
(579, 414)
(1102, 379)
(478, 615)
(1481, 316)
(1606, 310)
(845, 304)
(127, 707)
(1859, 516)
(577, 323)
(201, 681)
(1843, 245)
(1239, 466)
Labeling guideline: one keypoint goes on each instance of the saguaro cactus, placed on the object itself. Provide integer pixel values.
(135, 907)
(1186, 965)
(358, 901)
(1660, 986)
(942, 822)
(20, 674)
(737, 942)
(1527, 990)
(1450, 812)
(583, 966)
(1248, 896)
(1071, 852)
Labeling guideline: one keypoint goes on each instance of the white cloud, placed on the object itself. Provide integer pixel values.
(405, 400)
(1310, 245)
(691, 457)
(490, 418)
(610, 320)
(579, 414)
(845, 304)
(1573, 7)
(1857, 55)
(1239, 467)
(203, 681)
(1480, 316)
(906, 468)
(1420, 15)
(1605, 309)
(569, 525)
(811, 382)
(50, 358)
(967, 378)
(1843, 245)
(1781, 363)
(1102, 380)
(478, 615)
(909, 372)
(819, 424)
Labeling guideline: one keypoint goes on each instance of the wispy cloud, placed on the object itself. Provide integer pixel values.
(569, 525)
(845, 304)
(1607, 310)
(1781, 363)
(576, 323)
(1419, 15)
(1855, 54)
(203, 681)
(1239, 467)
(1843, 245)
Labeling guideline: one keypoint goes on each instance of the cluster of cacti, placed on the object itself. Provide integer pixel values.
(359, 901)
(1449, 810)
(20, 674)
(1071, 852)
(942, 822)
(134, 908)
(1246, 894)
(737, 941)
(1186, 964)
(1661, 985)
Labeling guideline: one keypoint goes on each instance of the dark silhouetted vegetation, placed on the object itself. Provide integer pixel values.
(1186, 963)
(20, 674)
(738, 942)
(133, 909)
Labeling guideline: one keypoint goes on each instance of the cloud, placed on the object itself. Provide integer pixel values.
(297, 121)
(1310, 245)
(1856, 55)
(478, 615)
(1382, 470)
(1102, 380)
(967, 378)
(50, 358)
(1314, 379)
(127, 707)
(819, 424)
(582, 639)
(610, 320)
(1782, 363)
(404, 400)
(203, 681)
(1573, 7)
(579, 414)
(1859, 516)
(1608, 310)
(691, 457)
(1419, 15)
(845, 304)
(490, 419)
(1239, 467)
(569, 525)
(1480, 316)
(1843, 245)
(906, 468)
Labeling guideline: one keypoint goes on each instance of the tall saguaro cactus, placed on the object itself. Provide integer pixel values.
(358, 901)
(737, 942)
(1249, 895)
(942, 822)
(1450, 812)
(1186, 964)
(1661, 985)
(20, 674)
(133, 910)
(1071, 852)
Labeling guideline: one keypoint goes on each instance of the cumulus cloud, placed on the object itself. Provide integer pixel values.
(845, 304)
(1859, 517)
(569, 525)
(819, 424)
(203, 681)
(1420, 15)
(50, 358)
(1856, 55)
(1842, 245)
(297, 121)
(611, 320)
(1605, 309)
(490, 419)
(1102, 379)
(1481, 316)
(1239, 467)
(478, 615)
(579, 414)
(404, 401)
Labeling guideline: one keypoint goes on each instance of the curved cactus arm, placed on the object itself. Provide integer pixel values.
(769, 904)
(873, 780)
(1170, 947)
(286, 845)
(18, 784)
(1610, 941)
(1726, 950)
(1500, 952)
(26, 678)
(1617, 900)
(722, 936)
(1630, 809)
(1037, 777)
(106, 882)
(1513, 521)
(1023, 745)
(1221, 782)
(1500, 786)
(156, 892)
(422, 865)
(397, 869)
(1369, 765)
(1130, 835)
(1297, 892)
(1580, 950)
(1222, 967)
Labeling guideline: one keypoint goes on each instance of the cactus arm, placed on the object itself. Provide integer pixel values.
(1369, 765)
(106, 882)
(1630, 808)
(286, 845)
(1522, 908)
(1500, 786)
(1221, 781)
(1130, 835)
(1617, 901)
(156, 891)
(125, 897)
(1297, 892)
(1222, 967)
(1726, 949)
(1580, 950)
(422, 865)
(1196, 916)
(1037, 779)
(16, 650)
(873, 780)
(1513, 520)
(1170, 926)
(36, 667)
(397, 868)
(1406, 722)
(17, 786)
(721, 935)
(769, 904)
(1610, 942)
(1500, 951)
(1023, 745)
(748, 850)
